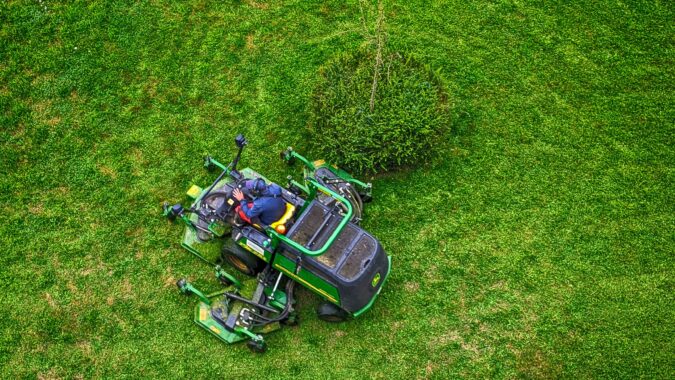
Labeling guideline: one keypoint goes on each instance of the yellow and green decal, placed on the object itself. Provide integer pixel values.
(376, 280)
(307, 279)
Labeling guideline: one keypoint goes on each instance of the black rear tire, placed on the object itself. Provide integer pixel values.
(241, 259)
(331, 313)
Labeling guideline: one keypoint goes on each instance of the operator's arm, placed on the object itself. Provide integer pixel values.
(251, 212)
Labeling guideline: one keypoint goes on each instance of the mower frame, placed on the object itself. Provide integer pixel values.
(284, 257)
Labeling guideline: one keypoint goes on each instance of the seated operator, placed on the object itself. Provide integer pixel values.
(268, 205)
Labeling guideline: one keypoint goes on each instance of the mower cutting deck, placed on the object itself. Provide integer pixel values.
(317, 243)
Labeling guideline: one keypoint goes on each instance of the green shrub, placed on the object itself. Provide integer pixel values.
(409, 118)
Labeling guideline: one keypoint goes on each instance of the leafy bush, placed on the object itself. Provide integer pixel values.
(410, 114)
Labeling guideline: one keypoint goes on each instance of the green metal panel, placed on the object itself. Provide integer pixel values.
(203, 318)
(307, 279)
(209, 251)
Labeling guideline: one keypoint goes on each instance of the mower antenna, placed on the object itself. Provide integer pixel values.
(241, 142)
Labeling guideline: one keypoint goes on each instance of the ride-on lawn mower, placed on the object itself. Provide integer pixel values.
(317, 243)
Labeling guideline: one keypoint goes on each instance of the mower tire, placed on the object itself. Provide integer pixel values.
(181, 284)
(166, 211)
(331, 313)
(291, 320)
(208, 164)
(287, 153)
(257, 347)
(241, 259)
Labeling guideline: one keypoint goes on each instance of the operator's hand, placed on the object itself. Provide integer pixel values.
(238, 195)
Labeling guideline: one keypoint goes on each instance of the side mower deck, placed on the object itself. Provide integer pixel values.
(244, 311)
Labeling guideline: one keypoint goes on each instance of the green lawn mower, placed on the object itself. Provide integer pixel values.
(317, 243)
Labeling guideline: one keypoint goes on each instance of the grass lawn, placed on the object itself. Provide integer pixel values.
(539, 244)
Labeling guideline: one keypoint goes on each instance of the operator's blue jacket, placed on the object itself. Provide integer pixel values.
(268, 207)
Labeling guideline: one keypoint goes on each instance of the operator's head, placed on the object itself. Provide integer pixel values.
(256, 186)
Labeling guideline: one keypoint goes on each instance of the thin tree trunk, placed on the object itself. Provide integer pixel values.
(378, 54)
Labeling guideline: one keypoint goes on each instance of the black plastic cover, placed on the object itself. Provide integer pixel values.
(350, 263)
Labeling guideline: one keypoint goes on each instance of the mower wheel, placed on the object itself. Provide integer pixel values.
(166, 211)
(182, 286)
(291, 320)
(331, 313)
(259, 347)
(287, 153)
(240, 259)
(208, 164)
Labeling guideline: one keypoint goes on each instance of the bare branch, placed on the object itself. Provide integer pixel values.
(364, 19)
(379, 34)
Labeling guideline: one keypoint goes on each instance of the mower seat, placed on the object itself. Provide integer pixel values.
(288, 214)
(290, 210)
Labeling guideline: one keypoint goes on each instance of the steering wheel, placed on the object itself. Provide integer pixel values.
(211, 207)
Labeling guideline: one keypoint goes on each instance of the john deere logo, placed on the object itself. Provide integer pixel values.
(376, 279)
